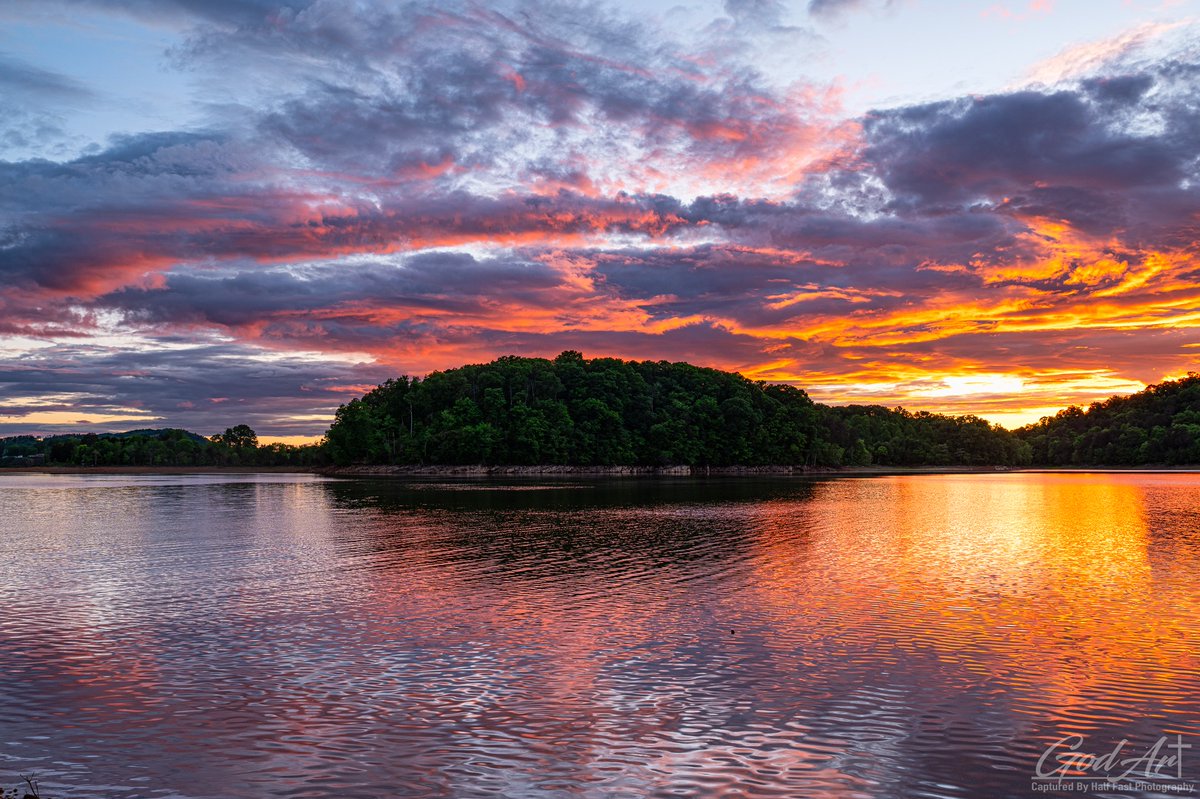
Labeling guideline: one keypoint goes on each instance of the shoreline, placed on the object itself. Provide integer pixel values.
(465, 471)
(551, 470)
(476, 471)
(155, 469)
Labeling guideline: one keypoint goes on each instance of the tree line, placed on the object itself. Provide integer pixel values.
(1159, 425)
(611, 412)
(237, 446)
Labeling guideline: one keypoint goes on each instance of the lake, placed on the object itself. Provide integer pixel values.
(292, 636)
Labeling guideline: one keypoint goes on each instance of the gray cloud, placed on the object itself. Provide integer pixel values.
(32, 101)
(202, 387)
(34, 83)
(758, 12)
(224, 12)
(832, 9)
(437, 281)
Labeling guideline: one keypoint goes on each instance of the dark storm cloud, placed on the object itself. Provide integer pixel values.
(697, 273)
(876, 250)
(1120, 91)
(441, 281)
(760, 289)
(966, 150)
(345, 297)
(1114, 157)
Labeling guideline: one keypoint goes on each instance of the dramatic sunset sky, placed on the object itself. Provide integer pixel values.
(226, 211)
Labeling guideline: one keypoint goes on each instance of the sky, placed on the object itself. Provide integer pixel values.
(216, 212)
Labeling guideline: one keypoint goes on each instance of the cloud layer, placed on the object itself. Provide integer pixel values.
(394, 189)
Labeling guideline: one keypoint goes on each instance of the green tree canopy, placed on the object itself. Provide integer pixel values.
(606, 411)
(1159, 425)
(239, 437)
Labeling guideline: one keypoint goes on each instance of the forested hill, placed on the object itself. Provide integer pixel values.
(1157, 426)
(605, 411)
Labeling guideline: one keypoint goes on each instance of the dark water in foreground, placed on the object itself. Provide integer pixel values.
(279, 635)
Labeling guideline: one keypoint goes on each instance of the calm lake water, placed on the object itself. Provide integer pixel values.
(284, 635)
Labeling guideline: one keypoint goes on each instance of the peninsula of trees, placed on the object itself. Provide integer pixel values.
(610, 412)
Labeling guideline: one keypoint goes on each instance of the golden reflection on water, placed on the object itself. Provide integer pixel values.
(1037, 585)
(880, 637)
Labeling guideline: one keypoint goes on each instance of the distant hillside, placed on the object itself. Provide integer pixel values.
(162, 432)
(237, 446)
(604, 411)
(1157, 426)
(159, 433)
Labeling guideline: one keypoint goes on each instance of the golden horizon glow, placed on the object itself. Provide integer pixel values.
(293, 440)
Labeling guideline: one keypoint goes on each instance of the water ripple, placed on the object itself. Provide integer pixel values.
(276, 635)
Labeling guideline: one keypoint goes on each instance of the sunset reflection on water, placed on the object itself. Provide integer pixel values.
(876, 637)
